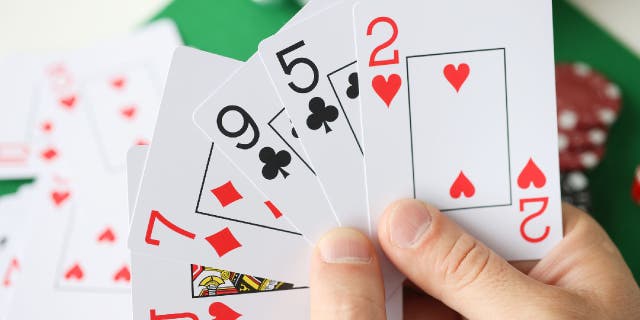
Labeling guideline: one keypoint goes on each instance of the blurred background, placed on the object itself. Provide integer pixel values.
(602, 34)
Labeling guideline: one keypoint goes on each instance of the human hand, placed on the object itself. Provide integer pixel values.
(583, 277)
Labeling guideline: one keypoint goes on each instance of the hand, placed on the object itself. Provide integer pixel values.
(583, 277)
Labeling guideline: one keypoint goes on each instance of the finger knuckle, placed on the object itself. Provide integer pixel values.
(357, 307)
(465, 261)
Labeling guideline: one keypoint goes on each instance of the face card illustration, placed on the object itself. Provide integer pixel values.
(463, 96)
(210, 282)
(122, 107)
(466, 125)
(209, 214)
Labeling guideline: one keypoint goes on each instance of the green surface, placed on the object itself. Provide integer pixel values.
(577, 38)
(11, 186)
(231, 28)
(235, 27)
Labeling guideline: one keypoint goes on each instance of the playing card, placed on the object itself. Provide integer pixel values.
(114, 102)
(194, 205)
(333, 89)
(80, 254)
(463, 118)
(52, 204)
(15, 229)
(273, 158)
(211, 290)
(299, 61)
(17, 80)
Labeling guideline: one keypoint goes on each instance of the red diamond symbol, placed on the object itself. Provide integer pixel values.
(223, 241)
(274, 210)
(226, 194)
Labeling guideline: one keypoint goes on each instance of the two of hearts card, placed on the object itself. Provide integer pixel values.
(196, 186)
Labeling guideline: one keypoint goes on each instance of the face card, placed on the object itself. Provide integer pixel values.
(335, 151)
(209, 214)
(467, 125)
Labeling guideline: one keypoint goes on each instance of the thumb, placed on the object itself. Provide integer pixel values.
(345, 279)
(455, 268)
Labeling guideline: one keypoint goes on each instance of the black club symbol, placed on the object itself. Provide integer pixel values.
(353, 91)
(294, 133)
(274, 162)
(321, 115)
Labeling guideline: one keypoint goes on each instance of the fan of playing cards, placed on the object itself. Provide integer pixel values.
(350, 106)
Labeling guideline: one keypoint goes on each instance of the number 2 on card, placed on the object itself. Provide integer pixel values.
(373, 62)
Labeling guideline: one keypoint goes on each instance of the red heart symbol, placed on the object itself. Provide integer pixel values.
(386, 89)
(456, 76)
(124, 274)
(460, 186)
(75, 272)
(68, 102)
(142, 142)
(59, 197)
(128, 112)
(118, 82)
(47, 126)
(531, 174)
(49, 154)
(220, 311)
(107, 236)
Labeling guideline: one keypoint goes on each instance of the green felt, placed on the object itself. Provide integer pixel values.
(579, 39)
(232, 28)
(235, 27)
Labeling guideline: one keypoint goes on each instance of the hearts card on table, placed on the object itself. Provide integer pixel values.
(78, 256)
(463, 117)
(17, 78)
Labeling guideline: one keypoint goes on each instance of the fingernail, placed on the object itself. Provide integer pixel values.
(345, 246)
(408, 222)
